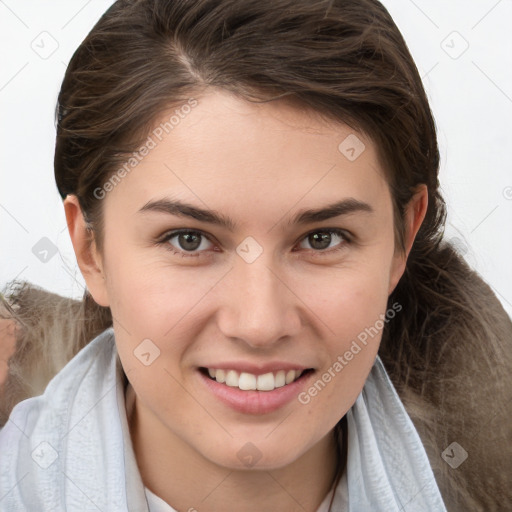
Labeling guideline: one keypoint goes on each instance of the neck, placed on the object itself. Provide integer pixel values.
(182, 477)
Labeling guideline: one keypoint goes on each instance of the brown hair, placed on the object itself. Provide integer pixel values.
(448, 352)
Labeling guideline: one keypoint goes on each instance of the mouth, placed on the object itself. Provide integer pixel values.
(255, 389)
(245, 381)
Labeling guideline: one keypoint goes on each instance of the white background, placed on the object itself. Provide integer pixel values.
(470, 95)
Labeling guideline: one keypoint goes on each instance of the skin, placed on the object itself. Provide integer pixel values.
(259, 165)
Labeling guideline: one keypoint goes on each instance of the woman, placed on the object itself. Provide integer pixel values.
(251, 191)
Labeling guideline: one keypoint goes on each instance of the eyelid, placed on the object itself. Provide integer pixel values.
(173, 232)
(338, 231)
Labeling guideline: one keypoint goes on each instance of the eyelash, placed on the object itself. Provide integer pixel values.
(347, 239)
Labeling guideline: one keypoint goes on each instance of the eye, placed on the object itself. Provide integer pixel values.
(186, 242)
(321, 240)
(192, 243)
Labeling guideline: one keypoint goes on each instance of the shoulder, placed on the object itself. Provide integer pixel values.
(64, 385)
(34, 436)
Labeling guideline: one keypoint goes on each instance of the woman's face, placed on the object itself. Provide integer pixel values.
(287, 265)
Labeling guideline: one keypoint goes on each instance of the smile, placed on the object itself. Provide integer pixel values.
(250, 382)
(262, 392)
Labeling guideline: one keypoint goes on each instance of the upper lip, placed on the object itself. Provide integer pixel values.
(255, 368)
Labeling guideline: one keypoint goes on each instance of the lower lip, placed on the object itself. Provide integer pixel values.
(256, 402)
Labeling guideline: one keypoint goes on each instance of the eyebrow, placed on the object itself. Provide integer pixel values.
(181, 209)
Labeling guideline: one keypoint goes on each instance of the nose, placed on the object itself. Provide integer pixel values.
(257, 306)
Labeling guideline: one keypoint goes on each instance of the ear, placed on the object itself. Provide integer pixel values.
(415, 212)
(88, 258)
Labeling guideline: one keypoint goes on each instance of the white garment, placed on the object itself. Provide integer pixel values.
(70, 449)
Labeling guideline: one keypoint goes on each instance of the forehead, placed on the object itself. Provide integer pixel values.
(232, 152)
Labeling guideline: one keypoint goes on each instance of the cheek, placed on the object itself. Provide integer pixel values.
(351, 304)
(351, 298)
(151, 300)
(151, 296)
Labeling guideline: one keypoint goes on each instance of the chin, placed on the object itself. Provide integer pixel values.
(250, 455)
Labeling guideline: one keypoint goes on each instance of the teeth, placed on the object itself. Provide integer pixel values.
(248, 381)
(280, 379)
(232, 379)
(290, 375)
(266, 382)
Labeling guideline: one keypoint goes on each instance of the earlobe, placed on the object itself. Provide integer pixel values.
(414, 215)
(87, 256)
